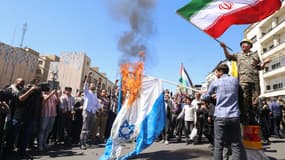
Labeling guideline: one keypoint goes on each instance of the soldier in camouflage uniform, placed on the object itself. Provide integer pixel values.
(249, 65)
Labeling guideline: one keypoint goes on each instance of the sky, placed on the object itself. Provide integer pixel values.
(56, 26)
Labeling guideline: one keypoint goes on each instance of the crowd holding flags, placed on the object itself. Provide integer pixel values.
(142, 120)
(214, 17)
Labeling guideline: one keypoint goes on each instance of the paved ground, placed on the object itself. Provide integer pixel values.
(158, 151)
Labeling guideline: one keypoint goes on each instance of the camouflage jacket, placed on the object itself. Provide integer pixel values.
(248, 67)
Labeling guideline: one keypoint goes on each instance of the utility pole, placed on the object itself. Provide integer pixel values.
(23, 35)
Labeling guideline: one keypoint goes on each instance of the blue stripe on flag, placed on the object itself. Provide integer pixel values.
(120, 96)
(151, 127)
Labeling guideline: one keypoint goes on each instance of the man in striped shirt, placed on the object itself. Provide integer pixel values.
(67, 102)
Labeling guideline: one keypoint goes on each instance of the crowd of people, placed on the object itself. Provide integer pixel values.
(34, 116)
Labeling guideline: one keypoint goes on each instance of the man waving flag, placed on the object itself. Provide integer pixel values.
(215, 16)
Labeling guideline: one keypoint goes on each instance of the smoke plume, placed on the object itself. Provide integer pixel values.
(138, 16)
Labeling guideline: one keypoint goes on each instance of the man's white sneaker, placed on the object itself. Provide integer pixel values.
(166, 142)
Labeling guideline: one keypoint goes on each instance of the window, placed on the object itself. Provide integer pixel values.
(266, 69)
(268, 87)
(277, 86)
(276, 65)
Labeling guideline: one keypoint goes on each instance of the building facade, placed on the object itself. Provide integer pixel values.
(268, 37)
(43, 67)
(17, 62)
(101, 79)
(71, 69)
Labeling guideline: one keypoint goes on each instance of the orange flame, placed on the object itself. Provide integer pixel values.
(132, 80)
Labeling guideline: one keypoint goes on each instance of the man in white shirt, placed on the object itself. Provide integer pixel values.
(190, 117)
(197, 100)
(89, 108)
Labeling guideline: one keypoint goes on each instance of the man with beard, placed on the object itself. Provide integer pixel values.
(89, 109)
(249, 65)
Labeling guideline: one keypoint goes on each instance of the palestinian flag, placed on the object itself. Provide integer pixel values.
(184, 77)
(215, 16)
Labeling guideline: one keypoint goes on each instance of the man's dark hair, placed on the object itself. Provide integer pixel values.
(68, 89)
(224, 68)
(44, 86)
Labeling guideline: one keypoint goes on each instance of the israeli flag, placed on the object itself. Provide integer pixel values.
(142, 121)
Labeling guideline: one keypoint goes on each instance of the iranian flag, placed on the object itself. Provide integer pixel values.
(215, 16)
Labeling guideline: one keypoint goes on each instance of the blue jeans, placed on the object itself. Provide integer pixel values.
(228, 132)
(46, 127)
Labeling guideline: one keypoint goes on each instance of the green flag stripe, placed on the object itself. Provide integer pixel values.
(193, 7)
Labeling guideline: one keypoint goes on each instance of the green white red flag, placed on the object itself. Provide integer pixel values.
(215, 16)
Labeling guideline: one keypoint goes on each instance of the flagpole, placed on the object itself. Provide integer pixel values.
(203, 31)
(176, 84)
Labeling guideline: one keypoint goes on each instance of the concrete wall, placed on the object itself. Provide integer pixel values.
(17, 62)
(71, 69)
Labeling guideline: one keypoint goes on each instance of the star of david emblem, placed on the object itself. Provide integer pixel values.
(126, 130)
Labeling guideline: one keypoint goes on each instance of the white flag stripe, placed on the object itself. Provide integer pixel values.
(129, 120)
(211, 13)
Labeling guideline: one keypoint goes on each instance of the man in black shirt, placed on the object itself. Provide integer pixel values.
(12, 125)
(28, 114)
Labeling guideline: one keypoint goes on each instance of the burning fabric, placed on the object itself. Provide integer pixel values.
(141, 119)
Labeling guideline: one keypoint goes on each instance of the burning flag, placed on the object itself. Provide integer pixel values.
(215, 16)
(141, 118)
(142, 114)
